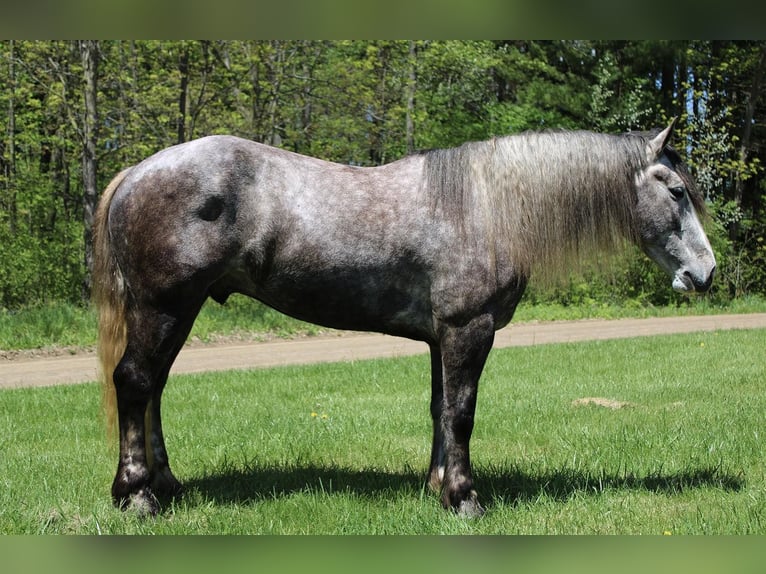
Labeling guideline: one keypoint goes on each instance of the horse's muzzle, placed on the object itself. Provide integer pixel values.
(689, 282)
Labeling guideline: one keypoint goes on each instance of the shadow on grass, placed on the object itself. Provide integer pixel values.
(497, 486)
(509, 485)
(255, 483)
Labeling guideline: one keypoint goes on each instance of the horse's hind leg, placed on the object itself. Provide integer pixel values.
(154, 339)
(163, 483)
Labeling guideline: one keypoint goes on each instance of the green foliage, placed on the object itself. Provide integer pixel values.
(367, 103)
(629, 280)
(618, 104)
(37, 270)
(741, 264)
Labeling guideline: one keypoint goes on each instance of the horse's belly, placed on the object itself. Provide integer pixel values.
(360, 300)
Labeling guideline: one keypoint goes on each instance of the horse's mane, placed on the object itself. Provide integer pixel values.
(551, 196)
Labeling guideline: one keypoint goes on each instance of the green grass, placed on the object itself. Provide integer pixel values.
(73, 327)
(343, 448)
(632, 309)
(55, 324)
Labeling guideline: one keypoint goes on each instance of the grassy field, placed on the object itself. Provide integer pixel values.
(343, 448)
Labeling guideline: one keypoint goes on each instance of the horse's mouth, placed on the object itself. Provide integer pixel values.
(685, 282)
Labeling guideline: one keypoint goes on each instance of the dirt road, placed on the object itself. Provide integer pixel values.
(355, 346)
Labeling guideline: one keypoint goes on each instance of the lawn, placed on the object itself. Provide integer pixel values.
(659, 435)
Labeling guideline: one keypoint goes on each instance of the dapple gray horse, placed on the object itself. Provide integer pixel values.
(437, 247)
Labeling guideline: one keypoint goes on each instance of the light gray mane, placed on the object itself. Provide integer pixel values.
(550, 196)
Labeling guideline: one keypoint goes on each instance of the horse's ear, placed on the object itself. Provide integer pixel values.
(655, 147)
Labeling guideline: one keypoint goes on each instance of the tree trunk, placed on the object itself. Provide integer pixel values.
(276, 72)
(89, 51)
(10, 167)
(303, 145)
(183, 68)
(669, 54)
(411, 85)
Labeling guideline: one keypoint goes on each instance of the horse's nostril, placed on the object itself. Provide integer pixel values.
(701, 285)
(709, 280)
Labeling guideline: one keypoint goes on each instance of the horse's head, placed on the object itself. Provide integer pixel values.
(669, 227)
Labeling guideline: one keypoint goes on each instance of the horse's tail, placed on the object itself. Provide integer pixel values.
(109, 296)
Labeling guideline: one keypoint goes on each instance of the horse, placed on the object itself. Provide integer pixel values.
(437, 246)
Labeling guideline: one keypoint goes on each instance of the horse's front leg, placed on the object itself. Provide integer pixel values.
(464, 351)
(436, 467)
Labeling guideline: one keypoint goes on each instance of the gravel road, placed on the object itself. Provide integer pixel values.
(39, 372)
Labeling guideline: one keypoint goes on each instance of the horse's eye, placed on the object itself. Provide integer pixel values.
(678, 192)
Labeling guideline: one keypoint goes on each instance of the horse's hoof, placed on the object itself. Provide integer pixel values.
(143, 503)
(470, 507)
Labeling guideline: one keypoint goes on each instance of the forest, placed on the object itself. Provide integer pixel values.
(74, 113)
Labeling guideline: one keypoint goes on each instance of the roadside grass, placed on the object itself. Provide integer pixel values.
(54, 324)
(73, 328)
(342, 448)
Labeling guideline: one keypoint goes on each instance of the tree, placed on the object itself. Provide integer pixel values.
(89, 50)
(751, 97)
(411, 90)
(73, 114)
(9, 157)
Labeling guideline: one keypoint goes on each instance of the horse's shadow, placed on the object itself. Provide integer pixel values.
(512, 486)
(497, 486)
(256, 483)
